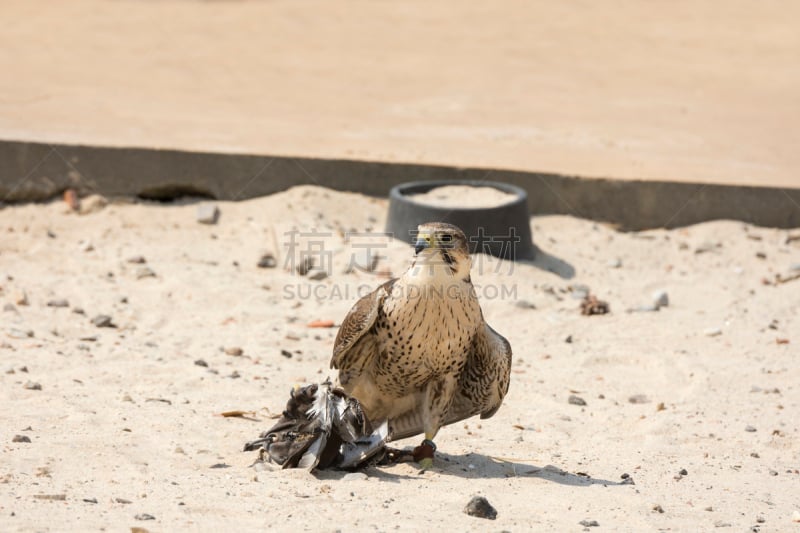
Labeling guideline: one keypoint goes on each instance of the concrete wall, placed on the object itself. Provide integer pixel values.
(31, 172)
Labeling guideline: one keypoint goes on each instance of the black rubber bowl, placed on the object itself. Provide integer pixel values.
(503, 230)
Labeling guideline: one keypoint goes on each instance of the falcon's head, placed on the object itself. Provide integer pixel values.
(445, 245)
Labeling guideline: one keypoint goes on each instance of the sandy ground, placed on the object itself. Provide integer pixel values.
(688, 90)
(127, 422)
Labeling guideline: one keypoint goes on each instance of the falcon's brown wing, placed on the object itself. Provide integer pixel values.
(482, 385)
(354, 348)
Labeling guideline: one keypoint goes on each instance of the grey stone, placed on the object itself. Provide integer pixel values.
(207, 214)
(480, 507)
(579, 291)
(15, 333)
(660, 298)
(646, 308)
(103, 321)
(355, 476)
(317, 275)
(304, 266)
(576, 400)
(267, 261)
(145, 272)
(92, 204)
(60, 302)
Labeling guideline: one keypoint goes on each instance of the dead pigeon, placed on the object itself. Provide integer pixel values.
(321, 427)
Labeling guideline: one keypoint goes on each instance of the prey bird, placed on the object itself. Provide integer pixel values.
(417, 352)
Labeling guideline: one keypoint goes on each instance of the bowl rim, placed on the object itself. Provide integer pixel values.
(403, 192)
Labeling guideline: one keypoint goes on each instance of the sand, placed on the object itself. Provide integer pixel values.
(463, 196)
(127, 424)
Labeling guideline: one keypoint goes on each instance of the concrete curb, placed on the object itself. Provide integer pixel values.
(33, 172)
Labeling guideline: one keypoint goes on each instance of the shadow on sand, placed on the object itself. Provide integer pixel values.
(550, 263)
(479, 466)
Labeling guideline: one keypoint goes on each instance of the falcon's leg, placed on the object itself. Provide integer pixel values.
(438, 398)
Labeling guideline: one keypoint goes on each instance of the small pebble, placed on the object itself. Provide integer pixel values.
(683, 472)
(712, 332)
(102, 321)
(85, 246)
(92, 204)
(750, 429)
(639, 398)
(207, 214)
(660, 299)
(10, 307)
(15, 333)
(21, 298)
(90, 500)
(78, 311)
(32, 385)
(267, 261)
(579, 291)
(645, 308)
(760, 519)
(658, 509)
(318, 275)
(707, 246)
(614, 263)
(145, 272)
(304, 266)
(286, 353)
(355, 476)
(200, 362)
(61, 302)
(21, 438)
(480, 507)
(144, 516)
(568, 340)
(137, 260)
(525, 304)
(589, 523)
(576, 400)
(722, 523)
(234, 351)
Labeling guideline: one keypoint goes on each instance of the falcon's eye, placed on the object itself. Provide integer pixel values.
(446, 238)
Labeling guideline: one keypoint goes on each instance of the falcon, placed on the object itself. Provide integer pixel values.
(417, 352)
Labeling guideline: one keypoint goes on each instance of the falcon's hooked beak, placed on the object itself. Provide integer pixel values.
(423, 242)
